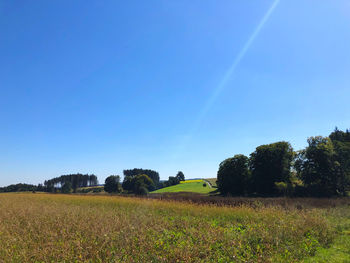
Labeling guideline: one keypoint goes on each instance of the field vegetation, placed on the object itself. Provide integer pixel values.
(76, 228)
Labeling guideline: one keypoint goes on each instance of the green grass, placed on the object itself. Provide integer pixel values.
(339, 250)
(212, 181)
(194, 186)
(82, 228)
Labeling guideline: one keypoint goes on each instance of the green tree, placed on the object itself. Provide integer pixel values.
(173, 180)
(319, 169)
(137, 171)
(142, 184)
(233, 175)
(269, 164)
(180, 176)
(341, 143)
(128, 183)
(112, 184)
(66, 188)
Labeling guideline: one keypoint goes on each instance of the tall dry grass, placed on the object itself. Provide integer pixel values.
(71, 228)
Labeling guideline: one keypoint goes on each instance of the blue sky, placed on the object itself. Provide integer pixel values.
(102, 86)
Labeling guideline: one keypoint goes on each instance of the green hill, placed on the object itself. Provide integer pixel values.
(194, 186)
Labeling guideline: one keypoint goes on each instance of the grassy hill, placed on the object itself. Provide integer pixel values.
(212, 181)
(195, 186)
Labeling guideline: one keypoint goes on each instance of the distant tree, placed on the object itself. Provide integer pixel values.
(18, 188)
(233, 175)
(128, 183)
(319, 169)
(142, 184)
(66, 188)
(112, 184)
(172, 181)
(76, 180)
(150, 173)
(270, 164)
(180, 176)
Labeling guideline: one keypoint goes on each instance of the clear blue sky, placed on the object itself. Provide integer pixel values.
(102, 86)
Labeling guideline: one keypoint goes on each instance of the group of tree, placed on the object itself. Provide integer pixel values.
(69, 182)
(139, 181)
(173, 180)
(22, 188)
(321, 169)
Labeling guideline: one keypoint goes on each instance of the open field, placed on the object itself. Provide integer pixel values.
(194, 186)
(75, 228)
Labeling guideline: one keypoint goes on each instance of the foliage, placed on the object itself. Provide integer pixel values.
(180, 176)
(136, 171)
(319, 168)
(142, 184)
(76, 180)
(66, 188)
(112, 184)
(233, 175)
(20, 188)
(172, 181)
(269, 164)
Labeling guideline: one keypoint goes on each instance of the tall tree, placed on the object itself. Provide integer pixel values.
(233, 175)
(269, 164)
(319, 169)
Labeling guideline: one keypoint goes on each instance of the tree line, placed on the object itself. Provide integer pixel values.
(72, 181)
(322, 169)
(136, 181)
(139, 181)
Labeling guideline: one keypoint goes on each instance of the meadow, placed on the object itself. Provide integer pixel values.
(193, 186)
(80, 228)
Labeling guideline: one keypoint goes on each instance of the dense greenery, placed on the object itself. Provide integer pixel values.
(21, 188)
(136, 171)
(233, 175)
(269, 164)
(76, 180)
(66, 188)
(139, 184)
(112, 184)
(321, 169)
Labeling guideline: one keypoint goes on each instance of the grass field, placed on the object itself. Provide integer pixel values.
(76, 228)
(212, 181)
(194, 186)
